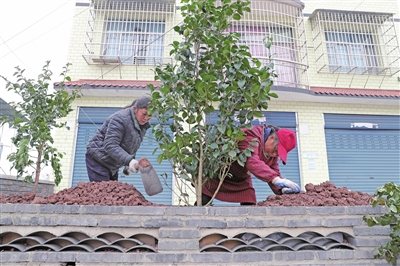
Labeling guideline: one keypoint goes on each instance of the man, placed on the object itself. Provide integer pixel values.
(273, 143)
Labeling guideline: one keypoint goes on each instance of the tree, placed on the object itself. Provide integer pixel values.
(388, 195)
(212, 72)
(37, 114)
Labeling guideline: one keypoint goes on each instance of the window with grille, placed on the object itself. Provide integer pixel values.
(355, 42)
(134, 42)
(282, 48)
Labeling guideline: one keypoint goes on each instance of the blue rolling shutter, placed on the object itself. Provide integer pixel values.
(89, 120)
(290, 171)
(363, 150)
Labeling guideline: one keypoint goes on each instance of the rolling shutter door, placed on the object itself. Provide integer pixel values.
(89, 120)
(289, 171)
(363, 150)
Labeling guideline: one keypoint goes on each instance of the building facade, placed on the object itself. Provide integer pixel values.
(338, 66)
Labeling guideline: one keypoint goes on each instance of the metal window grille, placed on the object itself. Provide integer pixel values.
(355, 42)
(128, 32)
(284, 22)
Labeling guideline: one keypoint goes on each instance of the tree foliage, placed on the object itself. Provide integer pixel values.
(212, 91)
(36, 115)
(388, 195)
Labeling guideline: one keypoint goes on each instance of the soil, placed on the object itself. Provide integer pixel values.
(115, 193)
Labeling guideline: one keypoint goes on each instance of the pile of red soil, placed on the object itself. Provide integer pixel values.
(325, 194)
(115, 193)
(111, 193)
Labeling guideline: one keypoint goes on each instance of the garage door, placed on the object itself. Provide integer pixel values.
(363, 150)
(290, 171)
(89, 120)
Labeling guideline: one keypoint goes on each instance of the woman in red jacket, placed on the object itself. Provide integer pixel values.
(273, 143)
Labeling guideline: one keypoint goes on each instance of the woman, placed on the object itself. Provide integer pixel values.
(116, 142)
(272, 143)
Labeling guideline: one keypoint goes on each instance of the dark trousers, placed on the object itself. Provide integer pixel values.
(98, 172)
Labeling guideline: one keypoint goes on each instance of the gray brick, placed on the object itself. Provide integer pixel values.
(180, 233)
(167, 258)
(284, 210)
(372, 231)
(34, 220)
(163, 222)
(258, 210)
(83, 257)
(304, 222)
(143, 210)
(101, 210)
(44, 257)
(366, 210)
(67, 209)
(206, 223)
(6, 257)
(227, 211)
(293, 256)
(373, 241)
(19, 208)
(335, 255)
(172, 244)
(133, 257)
(186, 211)
(336, 222)
(211, 257)
(76, 221)
(119, 222)
(5, 220)
(109, 257)
(67, 256)
(365, 254)
(252, 256)
(327, 210)
(236, 222)
(267, 222)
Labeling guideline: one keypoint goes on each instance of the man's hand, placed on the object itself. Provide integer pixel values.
(132, 168)
(287, 186)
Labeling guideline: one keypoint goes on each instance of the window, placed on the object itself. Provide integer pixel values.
(355, 42)
(134, 42)
(282, 50)
(348, 52)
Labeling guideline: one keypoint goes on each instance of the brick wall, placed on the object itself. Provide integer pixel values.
(12, 185)
(178, 233)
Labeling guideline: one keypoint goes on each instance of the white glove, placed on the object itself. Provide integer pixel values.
(133, 166)
(287, 186)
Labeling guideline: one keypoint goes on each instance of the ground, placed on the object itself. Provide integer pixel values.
(115, 193)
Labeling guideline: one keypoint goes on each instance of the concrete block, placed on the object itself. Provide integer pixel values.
(372, 231)
(186, 211)
(334, 210)
(107, 210)
(338, 222)
(206, 223)
(282, 210)
(252, 256)
(180, 233)
(226, 211)
(119, 222)
(304, 222)
(241, 222)
(267, 222)
(335, 255)
(165, 244)
(143, 210)
(48, 208)
(167, 258)
(76, 221)
(212, 257)
(8, 257)
(5, 220)
(162, 222)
